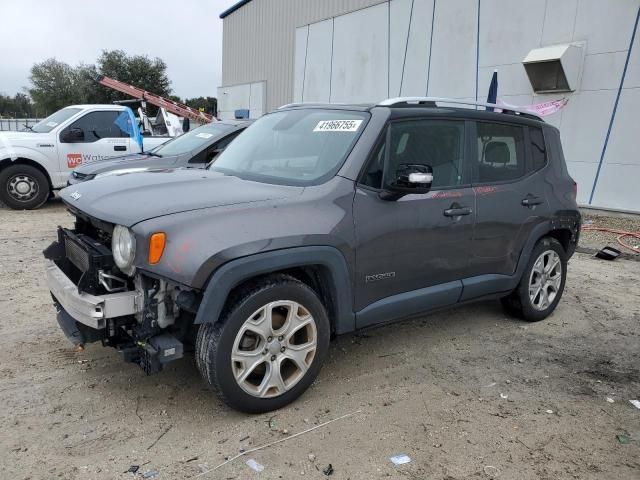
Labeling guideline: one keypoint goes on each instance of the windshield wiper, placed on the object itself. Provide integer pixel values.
(153, 154)
(28, 127)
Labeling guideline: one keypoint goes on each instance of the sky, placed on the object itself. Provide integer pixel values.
(186, 34)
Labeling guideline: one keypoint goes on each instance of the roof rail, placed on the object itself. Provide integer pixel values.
(432, 101)
(307, 104)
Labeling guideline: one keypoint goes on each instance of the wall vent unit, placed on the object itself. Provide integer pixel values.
(556, 68)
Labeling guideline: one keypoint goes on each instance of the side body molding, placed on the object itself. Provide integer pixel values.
(233, 273)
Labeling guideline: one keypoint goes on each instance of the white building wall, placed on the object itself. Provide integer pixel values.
(369, 50)
(247, 96)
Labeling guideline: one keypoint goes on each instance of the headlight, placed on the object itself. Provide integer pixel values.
(123, 245)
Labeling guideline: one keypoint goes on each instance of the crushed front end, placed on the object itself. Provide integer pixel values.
(97, 302)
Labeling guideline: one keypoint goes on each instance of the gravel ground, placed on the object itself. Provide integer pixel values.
(594, 240)
(467, 394)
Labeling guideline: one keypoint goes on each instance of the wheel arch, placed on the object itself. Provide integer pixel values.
(322, 268)
(7, 162)
(564, 233)
(564, 236)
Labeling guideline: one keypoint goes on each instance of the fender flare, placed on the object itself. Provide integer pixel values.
(539, 231)
(49, 166)
(232, 273)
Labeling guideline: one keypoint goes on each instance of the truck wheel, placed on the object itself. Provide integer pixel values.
(542, 283)
(268, 345)
(23, 187)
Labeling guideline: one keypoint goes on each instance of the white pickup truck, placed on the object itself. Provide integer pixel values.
(34, 163)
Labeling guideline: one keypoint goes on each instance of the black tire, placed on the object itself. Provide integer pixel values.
(34, 177)
(518, 303)
(215, 341)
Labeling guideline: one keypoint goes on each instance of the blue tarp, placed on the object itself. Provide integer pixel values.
(126, 122)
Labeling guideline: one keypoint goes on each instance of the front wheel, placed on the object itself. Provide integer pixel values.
(23, 187)
(542, 283)
(267, 347)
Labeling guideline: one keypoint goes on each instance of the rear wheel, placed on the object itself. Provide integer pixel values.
(23, 187)
(542, 283)
(268, 346)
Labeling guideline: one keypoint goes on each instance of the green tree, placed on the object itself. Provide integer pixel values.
(147, 73)
(18, 106)
(209, 104)
(53, 85)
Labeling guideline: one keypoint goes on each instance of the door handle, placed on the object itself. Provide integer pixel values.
(120, 148)
(457, 212)
(531, 200)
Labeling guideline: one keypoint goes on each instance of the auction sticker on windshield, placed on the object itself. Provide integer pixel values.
(337, 126)
(204, 135)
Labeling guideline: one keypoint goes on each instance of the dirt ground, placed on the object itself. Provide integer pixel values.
(466, 394)
(593, 240)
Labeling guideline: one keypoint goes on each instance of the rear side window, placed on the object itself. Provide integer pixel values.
(501, 153)
(538, 149)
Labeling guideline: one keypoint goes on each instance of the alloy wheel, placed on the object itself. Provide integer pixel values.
(274, 349)
(545, 280)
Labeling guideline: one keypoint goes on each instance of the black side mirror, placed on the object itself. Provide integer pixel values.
(408, 178)
(72, 135)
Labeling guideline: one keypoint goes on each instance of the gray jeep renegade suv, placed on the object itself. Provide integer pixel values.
(319, 220)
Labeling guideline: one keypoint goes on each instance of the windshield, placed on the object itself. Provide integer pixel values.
(193, 140)
(293, 147)
(55, 119)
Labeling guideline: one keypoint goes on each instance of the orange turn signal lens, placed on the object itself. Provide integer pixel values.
(156, 247)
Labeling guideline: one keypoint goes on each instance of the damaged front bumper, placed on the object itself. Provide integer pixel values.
(136, 316)
(90, 310)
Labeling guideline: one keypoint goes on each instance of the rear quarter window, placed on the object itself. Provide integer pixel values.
(538, 149)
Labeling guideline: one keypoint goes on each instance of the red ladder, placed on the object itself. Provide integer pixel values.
(169, 105)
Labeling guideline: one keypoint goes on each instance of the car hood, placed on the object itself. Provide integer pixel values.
(22, 139)
(132, 197)
(21, 135)
(138, 160)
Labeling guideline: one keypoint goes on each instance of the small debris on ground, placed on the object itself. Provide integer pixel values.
(245, 438)
(623, 439)
(635, 403)
(400, 459)
(491, 471)
(272, 424)
(504, 396)
(133, 469)
(254, 465)
(312, 457)
(150, 474)
(610, 400)
(328, 470)
(608, 253)
(549, 411)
